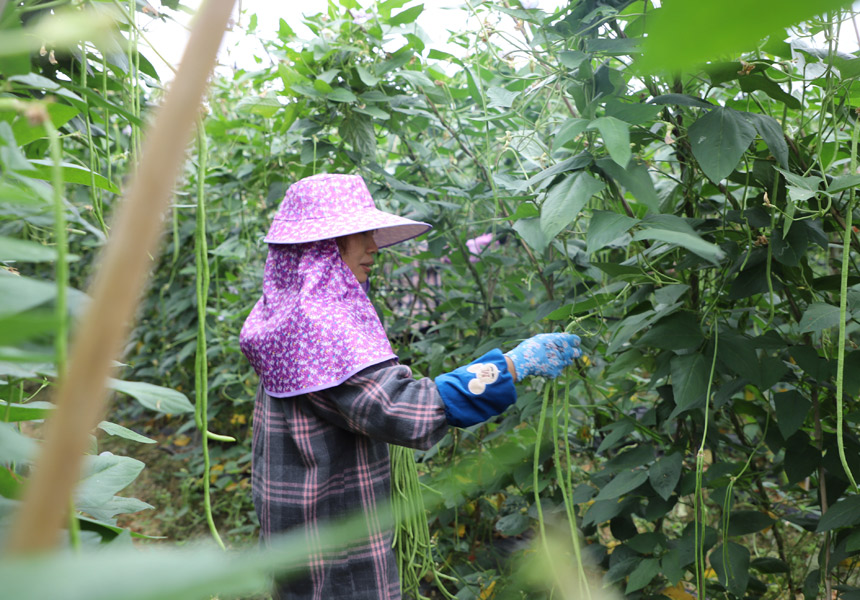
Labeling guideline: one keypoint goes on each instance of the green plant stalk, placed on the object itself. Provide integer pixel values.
(843, 300)
(536, 470)
(61, 342)
(201, 371)
(699, 497)
(564, 481)
(95, 194)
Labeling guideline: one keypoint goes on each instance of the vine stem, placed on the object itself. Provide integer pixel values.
(843, 298)
(61, 344)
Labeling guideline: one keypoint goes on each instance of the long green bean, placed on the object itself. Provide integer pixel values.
(201, 369)
(412, 542)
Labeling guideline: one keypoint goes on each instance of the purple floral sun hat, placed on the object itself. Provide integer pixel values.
(314, 326)
(332, 205)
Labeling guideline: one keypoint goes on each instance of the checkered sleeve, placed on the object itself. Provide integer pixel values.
(385, 403)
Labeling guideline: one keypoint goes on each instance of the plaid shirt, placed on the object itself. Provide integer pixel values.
(324, 455)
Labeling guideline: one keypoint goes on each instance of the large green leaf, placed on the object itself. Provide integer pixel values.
(24, 326)
(819, 316)
(103, 476)
(719, 139)
(743, 522)
(665, 474)
(565, 200)
(845, 513)
(27, 251)
(616, 138)
(124, 432)
(679, 331)
(636, 179)
(606, 227)
(693, 243)
(624, 482)
(153, 397)
(791, 411)
(31, 411)
(689, 379)
(642, 575)
(15, 447)
(731, 561)
(43, 169)
(771, 132)
(685, 34)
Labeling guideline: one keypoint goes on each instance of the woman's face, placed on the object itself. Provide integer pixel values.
(357, 251)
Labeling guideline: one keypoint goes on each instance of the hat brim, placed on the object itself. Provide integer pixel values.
(388, 229)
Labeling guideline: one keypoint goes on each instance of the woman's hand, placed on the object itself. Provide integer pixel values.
(545, 354)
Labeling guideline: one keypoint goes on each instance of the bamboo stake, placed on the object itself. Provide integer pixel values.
(119, 282)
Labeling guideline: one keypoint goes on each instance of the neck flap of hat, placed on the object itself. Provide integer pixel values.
(314, 327)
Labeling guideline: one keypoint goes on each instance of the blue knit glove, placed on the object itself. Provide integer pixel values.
(545, 354)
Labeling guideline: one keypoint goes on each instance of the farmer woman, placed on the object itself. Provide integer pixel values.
(332, 394)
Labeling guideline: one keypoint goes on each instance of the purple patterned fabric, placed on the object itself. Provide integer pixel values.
(331, 205)
(314, 326)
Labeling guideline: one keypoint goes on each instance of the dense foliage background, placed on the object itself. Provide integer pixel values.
(692, 221)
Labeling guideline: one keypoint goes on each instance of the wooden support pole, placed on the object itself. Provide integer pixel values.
(119, 282)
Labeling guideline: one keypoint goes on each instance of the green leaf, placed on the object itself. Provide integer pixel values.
(18, 293)
(43, 169)
(685, 34)
(153, 397)
(679, 331)
(732, 562)
(769, 564)
(27, 251)
(753, 82)
(634, 113)
(255, 105)
(341, 95)
(718, 141)
(616, 138)
(843, 182)
(743, 522)
(682, 100)
(568, 131)
(642, 575)
(321, 85)
(665, 474)
(636, 179)
(530, 230)
(693, 243)
(15, 447)
(124, 432)
(25, 132)
(407, 16)
(771, 132)
(357, 130)
(791, 411)
(103, 476)
(624, 482)
(606, 227)
(30, 411)
(367, 78)
(689, 379)
(845, 513)
(24, 326)
(572, 58)
(818, 317)
(500, 97)
(565, 200)
(512, 524)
